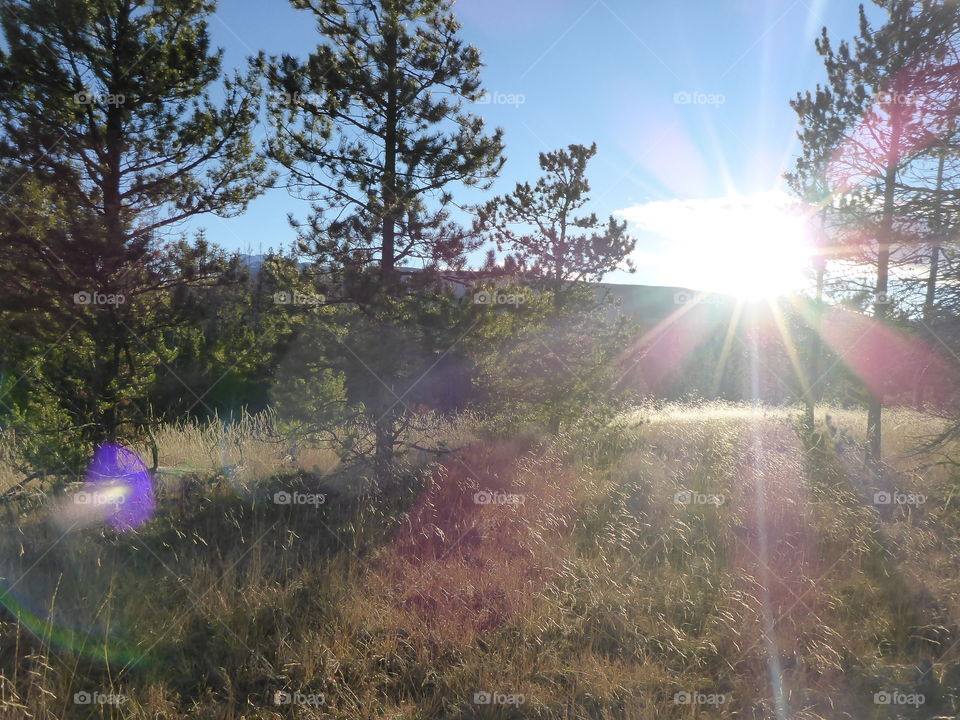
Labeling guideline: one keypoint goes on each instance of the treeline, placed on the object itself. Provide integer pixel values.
(112, 323)
(118, 123)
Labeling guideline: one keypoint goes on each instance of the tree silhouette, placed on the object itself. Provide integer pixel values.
(110, 140)
(372, 131)
(541, 228)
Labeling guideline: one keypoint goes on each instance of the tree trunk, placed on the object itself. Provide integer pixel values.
(931, 293)
(932, 282)
(389, 184)
(880, 307)
(935, 246)
(875, 408)
(383, 428)
(813, 395)
(383, 453)
(881, 301)
(108, 327)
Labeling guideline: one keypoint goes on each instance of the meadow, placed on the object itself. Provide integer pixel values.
(686, 560)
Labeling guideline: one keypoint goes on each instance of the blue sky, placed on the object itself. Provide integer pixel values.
(687, 101)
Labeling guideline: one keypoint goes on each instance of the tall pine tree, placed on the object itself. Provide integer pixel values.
(373, 133)
(882, 93)
(110, 139)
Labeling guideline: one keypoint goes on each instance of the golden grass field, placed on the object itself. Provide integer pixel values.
(576, 584)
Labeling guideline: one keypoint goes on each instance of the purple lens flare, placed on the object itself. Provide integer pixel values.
(119, 480)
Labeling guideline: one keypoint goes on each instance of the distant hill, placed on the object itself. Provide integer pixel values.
(640, 301)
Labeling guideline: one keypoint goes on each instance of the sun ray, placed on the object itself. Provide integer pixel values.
(790, 348)
(727, 345)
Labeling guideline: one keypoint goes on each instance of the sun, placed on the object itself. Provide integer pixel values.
(763, 253)
(753, 247)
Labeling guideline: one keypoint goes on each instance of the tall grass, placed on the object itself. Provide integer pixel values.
(250, 447)
(580, 574)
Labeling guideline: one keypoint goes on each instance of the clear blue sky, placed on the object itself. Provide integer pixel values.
(618, 72)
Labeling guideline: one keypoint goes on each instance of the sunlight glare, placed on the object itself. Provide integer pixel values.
(752, 247)
(752, 250)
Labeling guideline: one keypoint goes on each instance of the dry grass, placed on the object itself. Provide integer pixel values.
(599, 596)
(250, 448)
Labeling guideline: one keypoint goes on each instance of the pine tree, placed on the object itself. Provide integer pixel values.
(822, 127)
(882, 94)
(373, 133)
(550, 240)
(110, 139)
(541, 227)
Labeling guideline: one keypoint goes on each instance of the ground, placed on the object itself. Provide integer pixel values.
(686, 561)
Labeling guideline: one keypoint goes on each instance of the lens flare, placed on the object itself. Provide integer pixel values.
(119, 470)
(118, 492)
(59, 582)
